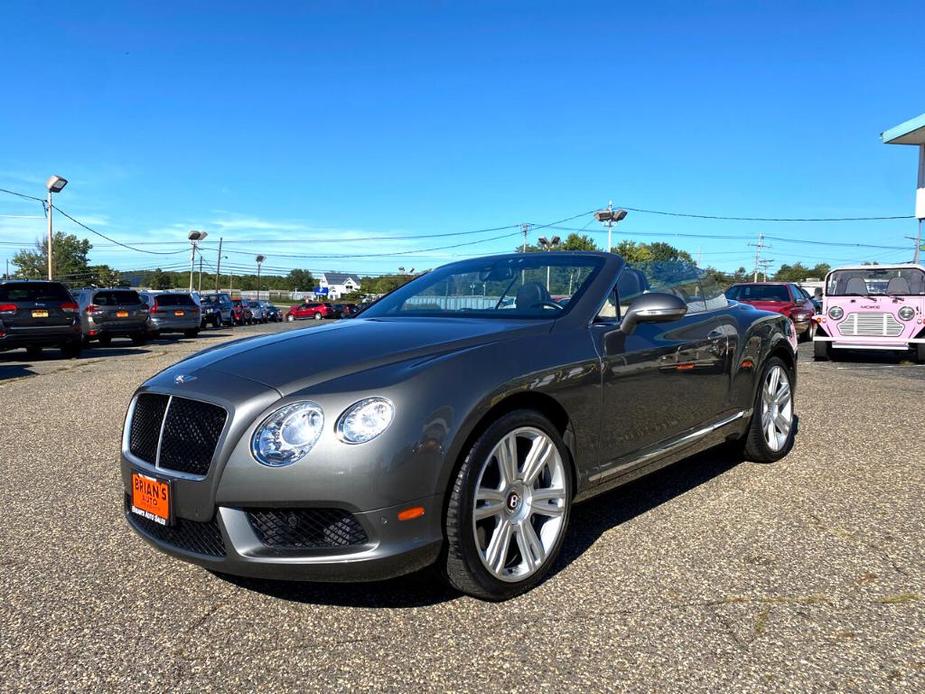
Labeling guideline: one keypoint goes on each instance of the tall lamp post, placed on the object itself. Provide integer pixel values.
(260, 259)
(55, 184)
(548, 245)
(194, 237)
(611, 217)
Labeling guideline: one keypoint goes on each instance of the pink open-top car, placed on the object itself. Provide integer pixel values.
(878, 307)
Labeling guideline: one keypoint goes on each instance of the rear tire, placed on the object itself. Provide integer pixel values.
(34, 351)
(190, 333)
(772, 430)
(317, 316)
(71, 350)
(289, 318)
(105, 340)
(498, 526)
(139, 339)
(920, 352)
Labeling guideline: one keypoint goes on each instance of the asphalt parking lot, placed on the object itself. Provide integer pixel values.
(714, 574)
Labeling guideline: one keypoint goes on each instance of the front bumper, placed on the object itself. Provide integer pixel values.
(232, 546)
(900, 344)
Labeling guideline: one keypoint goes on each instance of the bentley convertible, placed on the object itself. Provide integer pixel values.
(455, 422)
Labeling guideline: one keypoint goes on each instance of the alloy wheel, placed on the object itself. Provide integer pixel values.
(520, 504)
(776, 408)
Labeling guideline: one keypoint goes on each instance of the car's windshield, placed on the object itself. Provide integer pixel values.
(532, 285)
(758, 292)
(874, 280)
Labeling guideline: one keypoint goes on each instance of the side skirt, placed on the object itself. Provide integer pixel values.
(664, 454)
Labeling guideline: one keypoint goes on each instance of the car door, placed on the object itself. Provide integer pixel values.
(664, 379)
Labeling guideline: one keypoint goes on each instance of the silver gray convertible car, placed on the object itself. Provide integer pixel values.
(454, 422)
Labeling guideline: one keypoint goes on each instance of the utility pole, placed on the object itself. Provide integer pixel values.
(218, 265)
(525, 230)
(200, 273)
(760, 246)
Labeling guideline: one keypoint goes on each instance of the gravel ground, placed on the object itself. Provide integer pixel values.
(713, 574)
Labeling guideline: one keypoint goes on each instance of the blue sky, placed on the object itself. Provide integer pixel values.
(290, 128)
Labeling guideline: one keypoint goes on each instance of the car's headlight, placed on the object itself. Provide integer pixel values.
(836, 312)
(907, 313)
(288, 434)
(365, 420)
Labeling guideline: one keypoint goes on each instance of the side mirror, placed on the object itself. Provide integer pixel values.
(652, 308)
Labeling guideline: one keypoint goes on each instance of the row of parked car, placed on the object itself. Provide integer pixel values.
(35, 314)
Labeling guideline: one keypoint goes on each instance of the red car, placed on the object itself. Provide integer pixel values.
(315, 310)
(780, 297)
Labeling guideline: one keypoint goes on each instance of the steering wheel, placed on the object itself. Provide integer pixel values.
(549, 304)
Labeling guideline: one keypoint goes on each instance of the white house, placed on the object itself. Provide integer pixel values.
(334, 285)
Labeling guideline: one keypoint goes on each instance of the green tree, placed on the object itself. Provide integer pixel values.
(69, 259)
(159, 280)
(300, 280)
(578, 242)
(638, 253)
(102, 276)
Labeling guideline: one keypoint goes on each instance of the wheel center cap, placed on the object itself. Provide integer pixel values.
(513, 501)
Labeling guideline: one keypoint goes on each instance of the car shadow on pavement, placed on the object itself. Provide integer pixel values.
(590, 520)
(15, 371)
(594, 517)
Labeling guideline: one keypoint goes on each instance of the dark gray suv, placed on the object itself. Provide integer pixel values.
(109, 313)
(172, 312)
(36, 314)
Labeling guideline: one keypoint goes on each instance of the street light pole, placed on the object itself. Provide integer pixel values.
(218, 266)
(548, 245)
(611, 216)
(260, 259)
(194, 237)
(55, 184)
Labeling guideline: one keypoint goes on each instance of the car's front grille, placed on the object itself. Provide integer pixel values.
(175, 433)
(870, 325)
(146, 425)
(187, 535)
(306, 528)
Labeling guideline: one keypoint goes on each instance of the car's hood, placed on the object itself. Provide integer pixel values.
(298, 359)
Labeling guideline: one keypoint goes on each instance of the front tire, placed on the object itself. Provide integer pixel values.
(822, 351)
(772, 430)
(509, 508)
(190, 333)
(317, 316)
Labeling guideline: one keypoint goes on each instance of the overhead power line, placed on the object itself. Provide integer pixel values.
(112, 240)
(21, 195)
(737, 237)
(766, 219)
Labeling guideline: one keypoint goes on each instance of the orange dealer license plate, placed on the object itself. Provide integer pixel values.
(121, 314)
(151, 498)
(178, 313)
